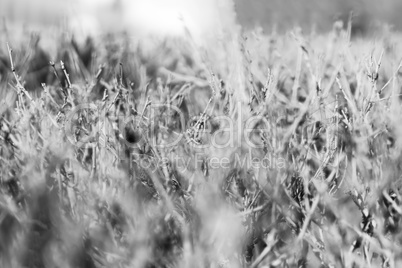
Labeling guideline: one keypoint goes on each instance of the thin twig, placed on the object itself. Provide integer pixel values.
(63, 67)
(308, 218)
(19, 85)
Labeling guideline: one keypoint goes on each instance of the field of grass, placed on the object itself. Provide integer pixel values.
(267, 151)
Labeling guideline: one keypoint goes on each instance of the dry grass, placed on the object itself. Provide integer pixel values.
(85, 182)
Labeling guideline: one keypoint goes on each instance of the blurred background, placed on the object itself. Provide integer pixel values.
(319, 14)
(91, 15)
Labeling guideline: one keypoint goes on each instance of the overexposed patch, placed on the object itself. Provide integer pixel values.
(203, 19)
(172, 17)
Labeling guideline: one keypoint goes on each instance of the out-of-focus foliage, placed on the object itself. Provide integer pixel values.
(319, 14)
(162, 17)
